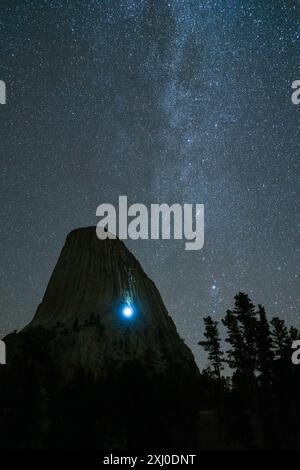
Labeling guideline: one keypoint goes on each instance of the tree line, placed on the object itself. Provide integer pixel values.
(261, 389)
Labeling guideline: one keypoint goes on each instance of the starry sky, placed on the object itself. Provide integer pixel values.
(163, 101)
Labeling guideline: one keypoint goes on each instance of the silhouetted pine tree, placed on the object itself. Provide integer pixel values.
(294, 333)
(281, 339)
(241, 325)
(264, 342)
(212, 346)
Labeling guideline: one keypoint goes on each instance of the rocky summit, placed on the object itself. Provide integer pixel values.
(105, 311)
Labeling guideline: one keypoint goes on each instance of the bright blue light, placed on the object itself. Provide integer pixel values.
(127, 311)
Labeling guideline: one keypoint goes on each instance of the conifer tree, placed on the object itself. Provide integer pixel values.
(294, 333)
(264, 342)
(212, 346)
(241, 324)
(281, 339)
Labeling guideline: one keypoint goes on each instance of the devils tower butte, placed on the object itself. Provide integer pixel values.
(92, 284)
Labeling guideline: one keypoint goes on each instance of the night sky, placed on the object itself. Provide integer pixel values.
(162, 101)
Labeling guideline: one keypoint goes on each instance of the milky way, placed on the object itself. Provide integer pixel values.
(178, 101)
